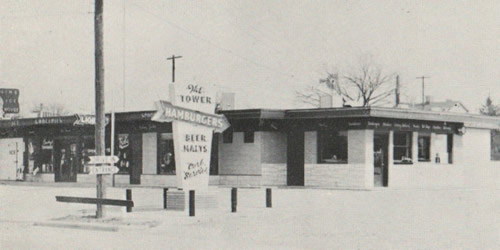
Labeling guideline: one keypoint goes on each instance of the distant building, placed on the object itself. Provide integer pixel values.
(446, 106)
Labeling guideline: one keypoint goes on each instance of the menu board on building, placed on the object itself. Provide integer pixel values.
(191, 111)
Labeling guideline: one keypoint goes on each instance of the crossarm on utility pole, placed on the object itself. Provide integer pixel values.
(173, 65)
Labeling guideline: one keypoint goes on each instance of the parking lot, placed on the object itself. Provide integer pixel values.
(383, 218)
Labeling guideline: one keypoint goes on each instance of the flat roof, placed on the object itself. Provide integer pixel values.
(469, 120)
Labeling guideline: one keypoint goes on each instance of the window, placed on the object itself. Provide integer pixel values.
(424, 148)
(40, 155)
(166, 155)
(227, 136)
(332, 146)
(248, 136)
(402, 148)
(124, 153)
(88, 149)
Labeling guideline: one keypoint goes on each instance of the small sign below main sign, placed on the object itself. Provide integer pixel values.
(104, 169)
(104, 159)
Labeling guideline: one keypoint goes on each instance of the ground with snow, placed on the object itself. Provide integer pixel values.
(384, 218)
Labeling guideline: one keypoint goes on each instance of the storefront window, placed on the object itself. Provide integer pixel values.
(166, 163)
(402, 148)
(46, 155)
(424, 148)
(40, 155)
(332, 146)
(124, 153)
(88, 149)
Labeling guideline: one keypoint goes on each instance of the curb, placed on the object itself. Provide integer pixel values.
(76, 226)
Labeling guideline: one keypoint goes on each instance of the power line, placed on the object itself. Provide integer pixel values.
(214, 44)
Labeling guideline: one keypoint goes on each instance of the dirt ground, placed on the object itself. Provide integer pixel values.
(384, 218)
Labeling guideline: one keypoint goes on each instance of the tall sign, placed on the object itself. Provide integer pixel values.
(10, 100)
(192, 112)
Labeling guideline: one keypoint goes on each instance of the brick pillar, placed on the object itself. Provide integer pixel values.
(414, 147)
(458, 153)
(360, 154)
(432, 150)
(310, 156)
(390, 155)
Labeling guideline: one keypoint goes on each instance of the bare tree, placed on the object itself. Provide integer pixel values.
(366, 85)
(51, 109)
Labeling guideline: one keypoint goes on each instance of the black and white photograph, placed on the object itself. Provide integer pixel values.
(238, 124)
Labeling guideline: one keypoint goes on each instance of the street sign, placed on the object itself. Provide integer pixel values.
(104, 169)
(104, 159)
(9, 100)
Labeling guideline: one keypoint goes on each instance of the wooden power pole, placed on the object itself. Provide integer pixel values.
(99, 99)
(173, 65)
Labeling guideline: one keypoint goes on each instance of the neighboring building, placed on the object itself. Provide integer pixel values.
(448, 106)
(352, 148)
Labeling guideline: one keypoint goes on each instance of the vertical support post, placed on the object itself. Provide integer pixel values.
(269, 197)
(129, 198)
(234, 199)
(191, 203)
(113, 140)
(165, 190)
(99, 99)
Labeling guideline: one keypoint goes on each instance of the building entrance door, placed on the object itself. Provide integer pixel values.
(381, 159)
(66, 160)
(11, 161)
(295, 158)
(136, 161)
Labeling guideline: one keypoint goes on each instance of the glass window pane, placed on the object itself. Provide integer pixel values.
(332, 146)
(167, 155)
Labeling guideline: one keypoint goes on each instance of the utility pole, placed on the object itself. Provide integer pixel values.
(423, 88)
(173, 65)
(99, 99)
(397, 93)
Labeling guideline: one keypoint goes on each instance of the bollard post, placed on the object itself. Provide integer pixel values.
(234, 199)
(165, 190)
(269, 197)
(191, 203)
(129, 198)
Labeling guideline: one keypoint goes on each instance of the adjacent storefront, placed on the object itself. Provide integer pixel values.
(354, 148)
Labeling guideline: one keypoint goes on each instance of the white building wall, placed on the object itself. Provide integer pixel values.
(11, 158)
(476, 146)
(356, 174)
(471, 166)
(240, 162)
(149, 157)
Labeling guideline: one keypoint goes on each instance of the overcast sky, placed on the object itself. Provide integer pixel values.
(261, 50)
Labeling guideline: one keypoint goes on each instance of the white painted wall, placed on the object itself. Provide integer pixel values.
(476, 146)
(149, 157)
(11, 157)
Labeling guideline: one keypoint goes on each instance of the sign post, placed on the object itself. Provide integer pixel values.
(192, 112)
